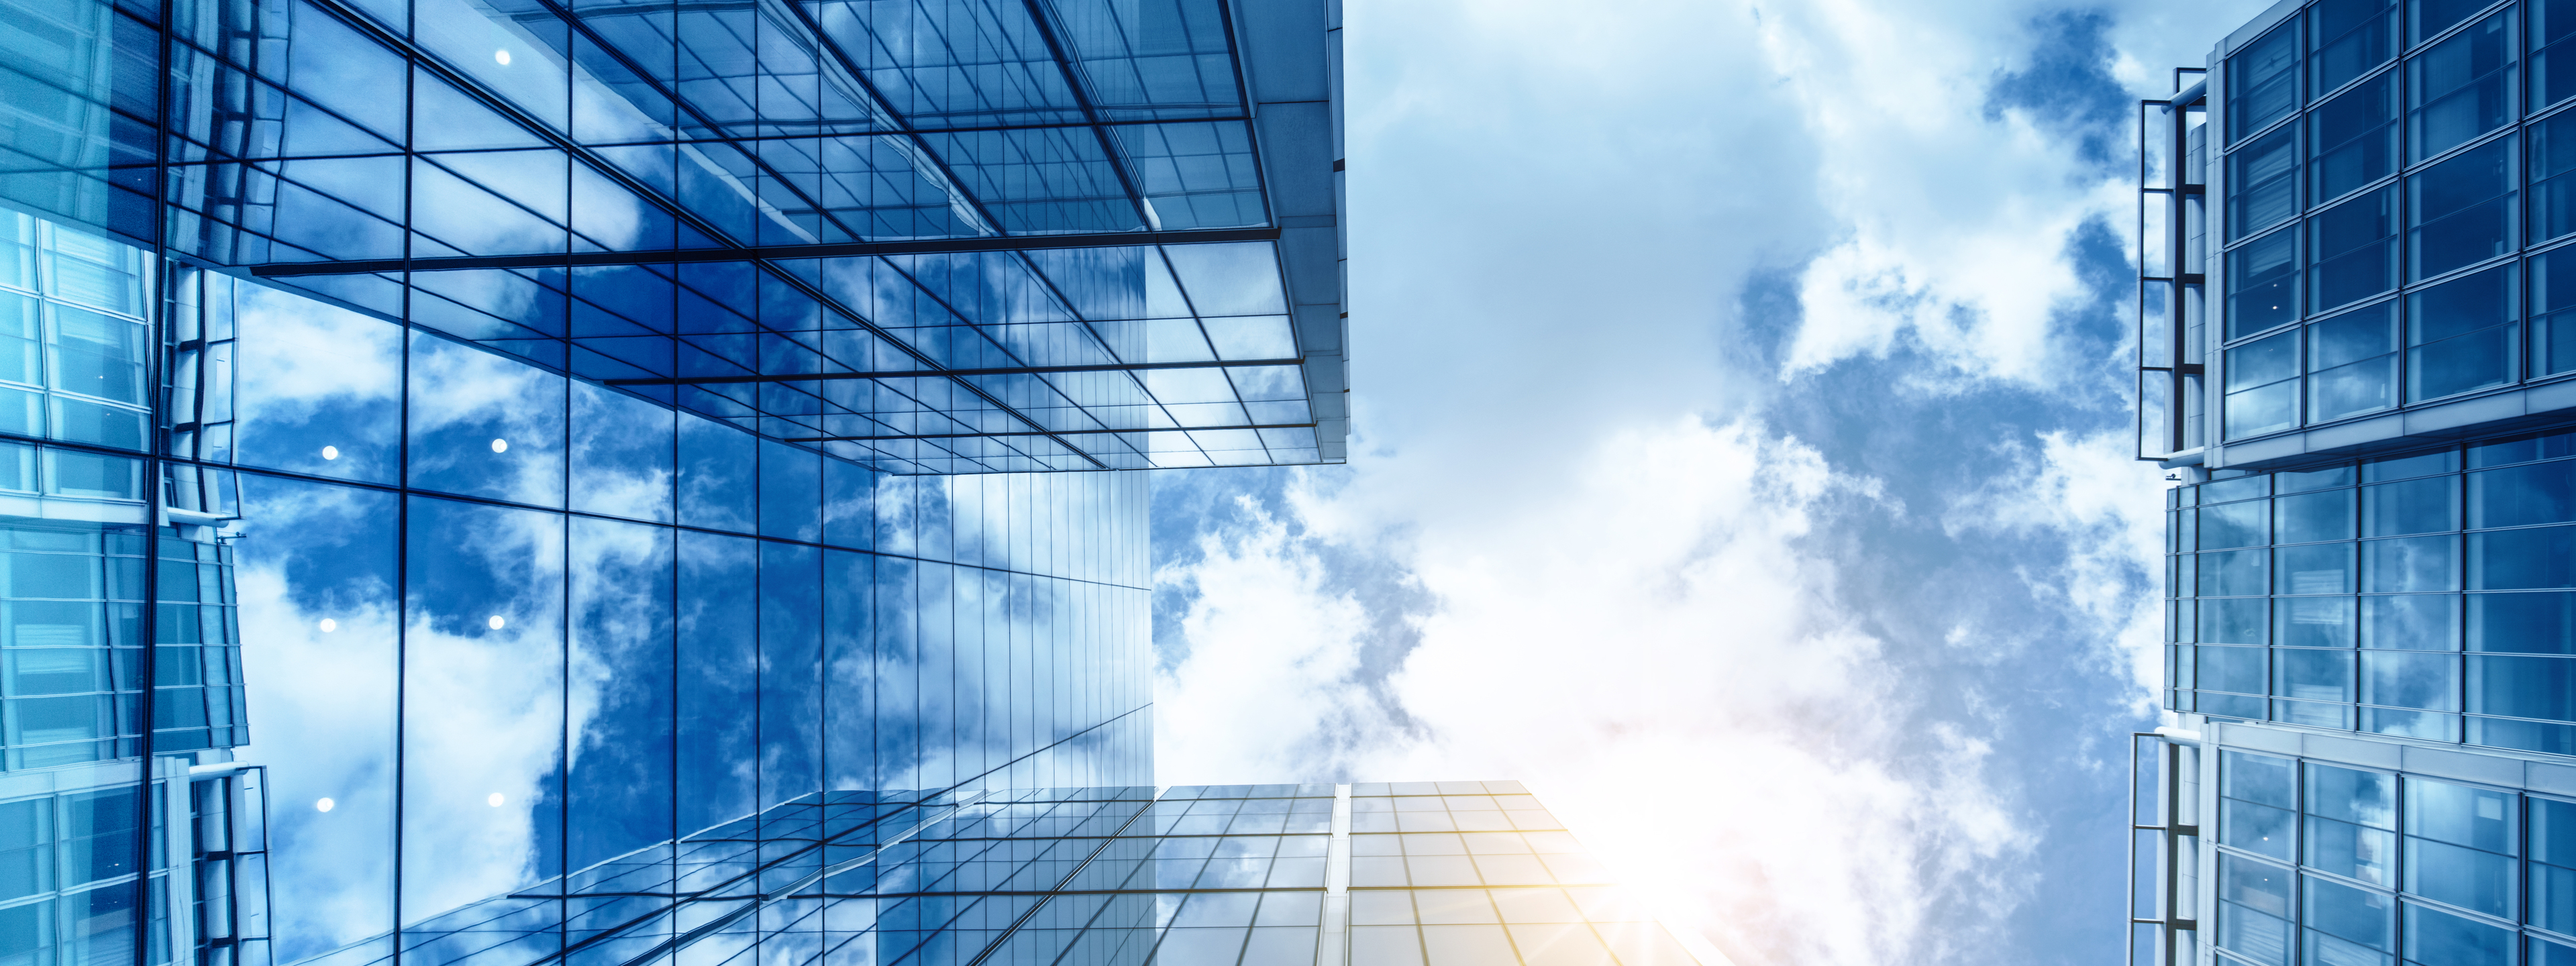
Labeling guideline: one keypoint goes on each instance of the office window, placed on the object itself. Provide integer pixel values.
(2460, 335)
(2461, 87)
(2350, 37)
(2263, 81)
(2353, 251)
(2353, 139)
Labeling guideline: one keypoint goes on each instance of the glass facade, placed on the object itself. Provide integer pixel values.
(1239, 875)
(2427, 595)
(516, 483)
(964, 237)
(2322, 863)
(2393, 209)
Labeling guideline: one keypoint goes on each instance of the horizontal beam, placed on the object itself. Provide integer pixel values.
(1054, 432)
(1004, 243)
(937, 373)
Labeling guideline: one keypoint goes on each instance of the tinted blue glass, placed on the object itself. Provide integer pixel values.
(2430, 17)
(2551, 902)
(2343, 921)
(2402, 467)
(2263, 183)
(2265, 290)
(2349, 38)
(2263, 394)
(2325, 568)
(2461, 87)
(2235, 572)
(623, 452)
(2437, 938)
(323, 392)
(619, 788)
(2552, 80)
(2410, 621)
(2311, 517)
(791, 673)
(504, 439)
(2262, 82)
(2410, 679)
(2312, 675)
(791, 492)
(2352, 823)
(2553, 325)
(2353, 251)
(2242, 524)
(2313, 622)
(2409, 565)
(2302, 481)
(2534, 558)
(2461, 335)
(718, 483)
(2254, 910)
(317, 598)
(2460, 840)
(2353, 364)
(483, 699)
(2461, 211)
(2528, 623)
(2523, 495)
(2523, 687)
(718, 678)
(2236, 620)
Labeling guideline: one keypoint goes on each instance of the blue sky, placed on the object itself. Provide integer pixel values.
(1740, 460)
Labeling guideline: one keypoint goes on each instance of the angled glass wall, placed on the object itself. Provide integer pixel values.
(1227, 875)
(955, 238)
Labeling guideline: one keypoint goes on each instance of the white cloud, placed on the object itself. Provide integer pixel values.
(1953, 219)
(1656, 653)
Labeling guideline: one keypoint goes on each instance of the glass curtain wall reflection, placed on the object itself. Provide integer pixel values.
(500, 626)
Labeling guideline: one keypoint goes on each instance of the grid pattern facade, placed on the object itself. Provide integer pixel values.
(1240, 875)
(2426, 596)
(960, 237)
(2382, 172)
(499, 623)
(2320, 863)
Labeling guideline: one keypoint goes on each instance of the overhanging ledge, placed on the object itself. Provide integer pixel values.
(936, 246)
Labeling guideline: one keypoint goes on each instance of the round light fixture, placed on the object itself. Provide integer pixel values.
(501, 57)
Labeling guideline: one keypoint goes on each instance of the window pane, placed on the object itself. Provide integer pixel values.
(2265, 277)
(2355, 139)
(2262, 82)
(2553, 22)
(2351, 37)
(2461, 333)
(2524, 623)
(2553, 306)
(2323, 568)
(2462, 210)
(2421, 622)
(2262, 183)
(2462, 87)
(2353, 251)
(2311, 517)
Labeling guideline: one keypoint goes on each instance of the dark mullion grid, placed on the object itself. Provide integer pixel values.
(825, 46)
(583, 154)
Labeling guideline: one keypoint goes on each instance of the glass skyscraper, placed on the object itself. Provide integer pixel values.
(518, 482)
(2355, 358)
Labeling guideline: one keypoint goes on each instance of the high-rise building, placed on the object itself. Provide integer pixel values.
(517, 482)
(2356, 359)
